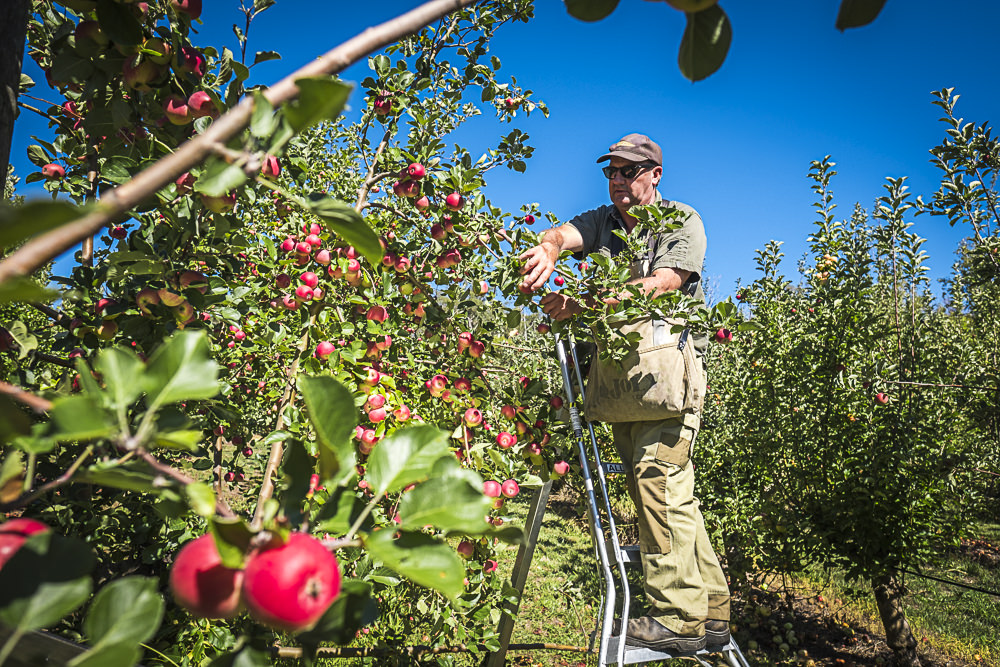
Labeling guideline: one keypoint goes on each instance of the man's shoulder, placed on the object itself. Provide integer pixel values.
(598, 214)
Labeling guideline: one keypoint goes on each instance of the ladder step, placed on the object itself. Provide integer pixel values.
(634, 654)
(628, 553)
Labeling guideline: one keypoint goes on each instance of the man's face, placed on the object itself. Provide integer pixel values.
(628, 192)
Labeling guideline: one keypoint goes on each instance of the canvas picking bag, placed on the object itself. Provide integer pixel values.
(662, 378)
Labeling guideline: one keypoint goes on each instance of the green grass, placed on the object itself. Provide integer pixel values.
(563, 591)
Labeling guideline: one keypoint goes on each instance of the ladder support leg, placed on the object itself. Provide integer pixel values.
(519, 576)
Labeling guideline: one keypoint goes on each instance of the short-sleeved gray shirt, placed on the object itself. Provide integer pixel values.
(682, 249)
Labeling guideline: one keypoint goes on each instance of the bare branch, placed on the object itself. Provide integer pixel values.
(36, 403)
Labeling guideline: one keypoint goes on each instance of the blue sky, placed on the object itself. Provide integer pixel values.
(737, 146)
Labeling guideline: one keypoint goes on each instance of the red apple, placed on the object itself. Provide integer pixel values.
(506, 440)
(881, 398)
(466, 548)
(13, 533)
(556, 401)
(201, 583)
(559, 281)
(271, 168)
(560, 468)
(190, 60)
(377, 314)
(324, 349)
(473, 417)
(190, 7)
(289, 587)
(201, 104)
(184, 183)
(416, 171)
(510, 488)
(723, 336)
(310, 279)
(492, 488)
(53, 171)
(454, 201)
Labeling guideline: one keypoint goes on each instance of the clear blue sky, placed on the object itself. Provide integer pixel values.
(737, 146)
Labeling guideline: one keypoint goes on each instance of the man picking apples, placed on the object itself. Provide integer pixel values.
(686, 588)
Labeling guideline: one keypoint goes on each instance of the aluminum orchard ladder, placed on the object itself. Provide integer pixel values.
(611, 555)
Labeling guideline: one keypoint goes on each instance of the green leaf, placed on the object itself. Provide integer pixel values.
(118, 169)
(46, 579)
(340, 511)
(13, 421)
(201, 498)
(857, 13)
(26, 342)
(381, 64)
(245, 656)
(232, 539)
(118, 22)
(320, 98)
(297, 466)
(453, 502)
(132, 476)
(705, 44)
(590, 10)
(79, 417)
(18, 223)
(264, 56)
(11, 473)
(420, 558)
(120, 369)
(181, 439)
(353, 609)
(333, 416)
(110, 655)
(181, 369)
(24, 289)
(345, 221)
(405, 457)
(220, 178)
(263, 120)
(126, 612)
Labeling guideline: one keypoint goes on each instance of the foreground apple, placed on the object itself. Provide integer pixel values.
(290, 586)
(201, 583)
(13, 533)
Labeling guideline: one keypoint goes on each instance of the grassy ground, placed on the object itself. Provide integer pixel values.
(831, 622)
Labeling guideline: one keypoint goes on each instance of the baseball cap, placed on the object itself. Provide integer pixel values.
(635, 147)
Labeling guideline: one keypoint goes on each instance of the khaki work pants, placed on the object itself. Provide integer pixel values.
(683, 580)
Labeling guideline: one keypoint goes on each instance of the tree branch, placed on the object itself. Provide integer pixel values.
(36, 403)
(116, 203)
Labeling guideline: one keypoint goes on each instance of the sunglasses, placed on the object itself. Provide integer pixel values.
(628, 171)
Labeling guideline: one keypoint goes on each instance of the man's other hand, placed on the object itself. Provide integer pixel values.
(539, 262)
(559, 307)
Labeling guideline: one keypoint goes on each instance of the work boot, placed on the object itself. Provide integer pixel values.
(647, 632)
(716, 632)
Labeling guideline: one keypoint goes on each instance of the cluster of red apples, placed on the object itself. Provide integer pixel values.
(285, 584)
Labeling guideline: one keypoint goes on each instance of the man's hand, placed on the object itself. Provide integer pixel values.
(559, 307)
(539, 262)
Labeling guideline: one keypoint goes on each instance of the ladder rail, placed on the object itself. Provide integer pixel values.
(613, 529)
(598, 531)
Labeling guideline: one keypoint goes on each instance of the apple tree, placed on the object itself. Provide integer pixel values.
(840, 428)
(287, 334)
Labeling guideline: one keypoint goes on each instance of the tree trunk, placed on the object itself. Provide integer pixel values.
(889, 598)
(13, 30)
